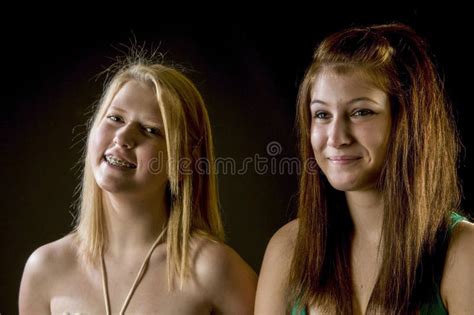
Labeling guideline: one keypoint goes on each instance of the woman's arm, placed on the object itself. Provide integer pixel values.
(457, 285)
(33, 297)
(273, 280)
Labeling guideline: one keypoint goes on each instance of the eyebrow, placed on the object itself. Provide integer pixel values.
(355, 100)
(147, 121)
(115, 108)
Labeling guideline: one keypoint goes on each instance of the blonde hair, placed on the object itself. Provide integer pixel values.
(418, 181)
(193, 198)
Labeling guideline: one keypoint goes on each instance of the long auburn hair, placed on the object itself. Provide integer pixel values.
(418, 182)
(192, 188)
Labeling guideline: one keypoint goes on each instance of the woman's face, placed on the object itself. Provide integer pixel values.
(128, 147)
(350, 128)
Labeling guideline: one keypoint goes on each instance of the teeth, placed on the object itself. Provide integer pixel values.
(118, 162)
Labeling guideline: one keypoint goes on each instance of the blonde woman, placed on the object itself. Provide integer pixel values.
(149, 238)
(377, 231)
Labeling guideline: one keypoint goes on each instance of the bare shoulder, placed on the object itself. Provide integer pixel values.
(42, 269)
(60, 248)
(228, 280)
(281, 245)
(273, 279)
(215, 261)
(285, 237)
(457, 286)
(53, 257)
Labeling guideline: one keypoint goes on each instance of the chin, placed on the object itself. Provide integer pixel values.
(345, 184)
(353, 185)
(114, 188)
(113, 184)
(344, 187)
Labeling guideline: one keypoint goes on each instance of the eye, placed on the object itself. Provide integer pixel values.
(114, 118)
(362, 112)
(152, 130)
(321, 115)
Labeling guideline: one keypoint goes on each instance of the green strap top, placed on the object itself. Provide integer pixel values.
(434, 307)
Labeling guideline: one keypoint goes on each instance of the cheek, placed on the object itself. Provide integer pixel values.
(375, 137)
(99, 140)
(153, 161)
(146, 156)
(317, 140)
(153, 154)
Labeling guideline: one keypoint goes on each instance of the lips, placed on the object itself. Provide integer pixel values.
(118, 161)
(343, 159)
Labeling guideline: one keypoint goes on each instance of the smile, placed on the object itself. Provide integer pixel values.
(343, 160)
(114, 161)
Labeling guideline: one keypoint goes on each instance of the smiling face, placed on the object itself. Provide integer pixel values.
(350, 128)
(128, 140)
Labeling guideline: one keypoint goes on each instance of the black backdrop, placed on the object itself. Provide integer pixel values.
(248, 74)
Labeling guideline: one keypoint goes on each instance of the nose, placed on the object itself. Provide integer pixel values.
(125, 137)
(339, 133)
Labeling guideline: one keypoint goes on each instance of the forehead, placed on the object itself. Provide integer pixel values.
(137, 97)
(331, 86)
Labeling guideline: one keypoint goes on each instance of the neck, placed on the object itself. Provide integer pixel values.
(366, 209)
(133, 224)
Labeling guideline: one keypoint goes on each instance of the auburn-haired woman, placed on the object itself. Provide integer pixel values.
(377, 230)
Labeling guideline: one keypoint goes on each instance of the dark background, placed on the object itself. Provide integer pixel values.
(248, 74)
